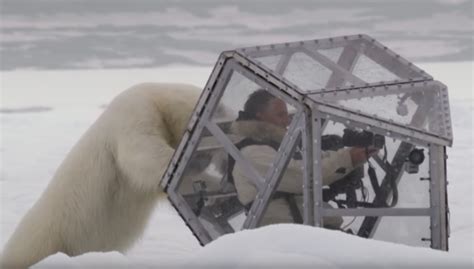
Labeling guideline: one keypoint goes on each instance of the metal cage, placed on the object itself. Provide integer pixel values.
(349, 82)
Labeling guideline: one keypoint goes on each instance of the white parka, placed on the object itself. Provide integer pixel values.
(335, 165)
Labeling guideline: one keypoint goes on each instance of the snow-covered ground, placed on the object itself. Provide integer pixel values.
(43, 113)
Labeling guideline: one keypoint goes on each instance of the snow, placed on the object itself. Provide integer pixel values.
(282, 246)
(43, 113)
(290, 246)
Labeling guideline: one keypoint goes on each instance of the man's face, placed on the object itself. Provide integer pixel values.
(276, 113)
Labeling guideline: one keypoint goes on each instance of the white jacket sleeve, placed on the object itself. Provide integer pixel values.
(335, 165)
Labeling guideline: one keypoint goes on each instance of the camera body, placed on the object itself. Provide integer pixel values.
(414, 160)
(353, 138)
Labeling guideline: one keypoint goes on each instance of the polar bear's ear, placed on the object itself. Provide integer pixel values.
(143, 160)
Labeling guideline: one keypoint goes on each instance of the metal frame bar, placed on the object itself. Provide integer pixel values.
(346, 60)
(324, 43)
(361, 92)
(438, 200)
(444, 111)
(207, 91)
(316, 123)
(409, 212)
(170, 170)
(283, 63)
(273, 176)
(307, 152)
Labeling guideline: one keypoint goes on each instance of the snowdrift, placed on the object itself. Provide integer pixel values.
(283, 246)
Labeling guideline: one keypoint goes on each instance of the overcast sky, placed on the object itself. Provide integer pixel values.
(65, 34)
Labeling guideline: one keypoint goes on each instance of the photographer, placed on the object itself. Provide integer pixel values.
(263, 123)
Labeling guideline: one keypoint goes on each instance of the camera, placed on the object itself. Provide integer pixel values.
(353, 138)
(414, 160)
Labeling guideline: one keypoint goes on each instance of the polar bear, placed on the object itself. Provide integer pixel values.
(103, 193)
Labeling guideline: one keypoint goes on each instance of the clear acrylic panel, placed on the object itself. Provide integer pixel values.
(372, 72)
(420, 107)
(353, 187)
(414, 231)
(306, 73)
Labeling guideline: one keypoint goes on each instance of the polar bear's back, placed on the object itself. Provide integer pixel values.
(172, 102)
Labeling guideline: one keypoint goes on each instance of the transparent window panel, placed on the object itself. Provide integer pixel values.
(406, 230)
(306, 73)
(372, 72)
(354, 187)
(392, 147)
(420, 107)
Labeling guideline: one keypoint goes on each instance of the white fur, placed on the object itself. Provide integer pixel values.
(104, 191)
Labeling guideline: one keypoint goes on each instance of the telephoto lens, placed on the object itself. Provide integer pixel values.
(353, 138)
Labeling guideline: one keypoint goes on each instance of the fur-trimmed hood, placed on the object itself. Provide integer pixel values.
(258, 130)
